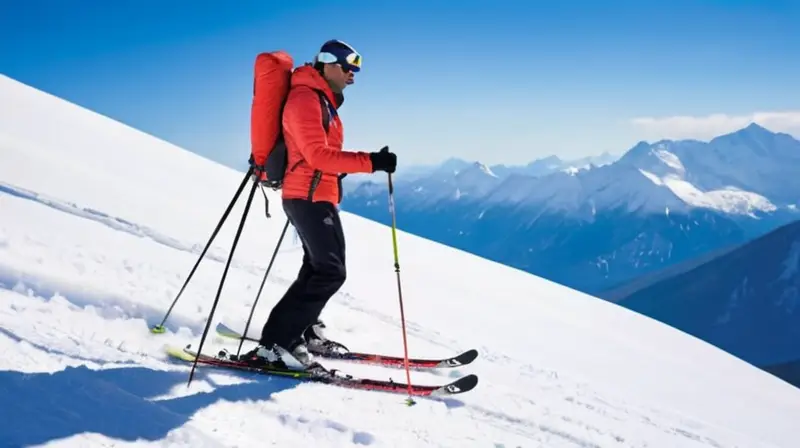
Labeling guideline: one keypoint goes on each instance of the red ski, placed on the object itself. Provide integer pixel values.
(374, 358)
(331, 377)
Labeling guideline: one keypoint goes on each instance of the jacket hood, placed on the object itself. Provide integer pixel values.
(308, 76)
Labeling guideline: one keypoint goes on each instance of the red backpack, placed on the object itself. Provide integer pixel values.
(271, 83)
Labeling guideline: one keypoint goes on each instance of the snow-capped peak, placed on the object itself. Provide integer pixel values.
(476, 167)
(728, 200)
(485, 168)
(571, 170)
(704, 175)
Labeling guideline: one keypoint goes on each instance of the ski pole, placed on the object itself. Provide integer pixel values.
(160, 327)
(222, 280)
(409, 401)
(260, 288)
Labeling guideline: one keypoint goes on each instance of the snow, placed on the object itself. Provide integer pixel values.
(730, 200)
(668, 170)
(485, 169)
(743, 174)
(455, 179)
(580, 194)
(571, 170)
(652, 177)
(475, 181)
(100, 224)
(671, 160)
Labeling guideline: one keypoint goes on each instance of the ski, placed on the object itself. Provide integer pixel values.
(330, 377)
(373, 358)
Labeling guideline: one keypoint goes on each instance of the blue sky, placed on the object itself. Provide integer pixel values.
(495, 81)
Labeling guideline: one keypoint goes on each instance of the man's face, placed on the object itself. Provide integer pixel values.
(338, 77)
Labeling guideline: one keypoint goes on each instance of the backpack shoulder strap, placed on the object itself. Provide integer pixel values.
(327, 111)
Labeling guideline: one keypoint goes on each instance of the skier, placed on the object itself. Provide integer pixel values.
(311, 193)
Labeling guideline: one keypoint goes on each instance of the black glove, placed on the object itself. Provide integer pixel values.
(383, 160)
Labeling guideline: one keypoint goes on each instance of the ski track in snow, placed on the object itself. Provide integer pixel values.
(119, 379)
(47, 286)
(214, 253)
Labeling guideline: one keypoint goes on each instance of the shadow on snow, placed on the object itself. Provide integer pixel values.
(42, 407)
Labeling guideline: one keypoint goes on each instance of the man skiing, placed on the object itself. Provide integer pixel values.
(310, 197)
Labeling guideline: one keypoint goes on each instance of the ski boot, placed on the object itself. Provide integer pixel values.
(318, 344)
(277, 357)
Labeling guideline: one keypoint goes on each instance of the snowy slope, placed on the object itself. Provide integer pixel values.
(99, 225)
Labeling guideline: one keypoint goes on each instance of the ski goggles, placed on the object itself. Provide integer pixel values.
(350, 62)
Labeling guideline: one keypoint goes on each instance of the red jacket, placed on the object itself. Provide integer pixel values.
(308, 147)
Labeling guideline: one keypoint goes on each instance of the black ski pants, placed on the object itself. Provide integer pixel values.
(321, 274)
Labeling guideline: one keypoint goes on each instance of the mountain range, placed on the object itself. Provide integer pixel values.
(485, 173)
(745, 301)
(600, 223)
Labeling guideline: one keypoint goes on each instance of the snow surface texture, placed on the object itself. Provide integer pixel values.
(100, 224)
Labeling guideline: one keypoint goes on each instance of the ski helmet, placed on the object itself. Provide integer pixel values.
(337, 52)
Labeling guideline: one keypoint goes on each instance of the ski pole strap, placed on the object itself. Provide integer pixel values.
(266, 201)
